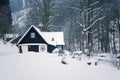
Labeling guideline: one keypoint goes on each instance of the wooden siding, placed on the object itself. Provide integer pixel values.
(50, 48)
(28, 39)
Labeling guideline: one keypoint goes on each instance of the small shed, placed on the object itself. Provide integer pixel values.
(15, 40)
(37, 41)
(10, 36)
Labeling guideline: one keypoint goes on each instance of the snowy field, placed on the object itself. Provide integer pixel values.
(44, 66)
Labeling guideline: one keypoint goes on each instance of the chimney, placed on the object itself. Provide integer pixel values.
(40, 26)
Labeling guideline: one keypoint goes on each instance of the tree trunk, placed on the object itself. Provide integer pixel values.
(119, 32)
(98, 29)
(89, 35)
(102, 39)
(114, 46)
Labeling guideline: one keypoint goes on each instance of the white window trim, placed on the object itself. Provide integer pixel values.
(32, 35)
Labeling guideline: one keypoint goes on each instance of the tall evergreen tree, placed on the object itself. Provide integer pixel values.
(5, 18)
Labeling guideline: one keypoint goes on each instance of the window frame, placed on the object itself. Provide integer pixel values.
(32, 35)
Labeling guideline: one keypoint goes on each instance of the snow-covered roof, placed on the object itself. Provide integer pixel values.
(52, 38)
(11, 35)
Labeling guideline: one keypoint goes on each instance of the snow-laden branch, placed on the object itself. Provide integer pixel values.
(94, 3)
(75, 8)
(95, 15)
(83, 13)
(42, 13)
(52, 2)
(87, 9)
(39, 11)
(55, 2)
(37, 3)
(51, 18)
(80, 24)
(94, 23)
(49, 21)
(58, 2)
(53, 26)
(53, 7)
(93, 10)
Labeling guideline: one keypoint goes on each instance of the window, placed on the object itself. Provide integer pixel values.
(52, 39)
(34, 48)
(32, 35)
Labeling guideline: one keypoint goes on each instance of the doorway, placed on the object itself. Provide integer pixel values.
(34, 48)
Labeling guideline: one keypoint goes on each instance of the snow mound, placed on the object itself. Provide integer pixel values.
(6, 49)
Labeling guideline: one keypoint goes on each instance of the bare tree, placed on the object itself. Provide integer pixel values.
(88, 20)
(43, 11)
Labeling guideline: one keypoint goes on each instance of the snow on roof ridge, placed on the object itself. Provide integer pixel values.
(58, 37)
(25, 33)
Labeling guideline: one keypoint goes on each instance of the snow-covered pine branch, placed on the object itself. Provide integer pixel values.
(75, 8)
(94, 3)
(94, 23)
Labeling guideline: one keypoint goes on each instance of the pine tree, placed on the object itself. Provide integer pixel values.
(5, 18)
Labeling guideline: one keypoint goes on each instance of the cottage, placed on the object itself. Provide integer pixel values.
(38, 41)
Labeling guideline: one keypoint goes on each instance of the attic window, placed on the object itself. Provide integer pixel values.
(53, 39)
(32, 35)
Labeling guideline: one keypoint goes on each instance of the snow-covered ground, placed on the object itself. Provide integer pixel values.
(6, 49)
(44, 66)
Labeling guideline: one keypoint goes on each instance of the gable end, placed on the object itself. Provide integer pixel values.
(31, 36)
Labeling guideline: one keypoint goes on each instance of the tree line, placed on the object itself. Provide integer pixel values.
(94, 25)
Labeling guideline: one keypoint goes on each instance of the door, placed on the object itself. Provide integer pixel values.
(34, 48)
